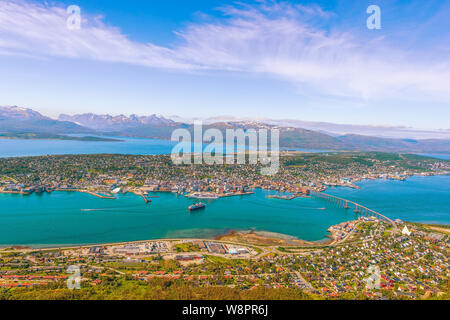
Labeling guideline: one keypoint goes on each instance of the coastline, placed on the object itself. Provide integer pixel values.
(264, 239)
(361, 179)
(220, 238)
(58, 137)
(253, 237)
(281, 197)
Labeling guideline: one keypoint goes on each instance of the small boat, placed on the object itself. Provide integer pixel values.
(197, 206)
(116, 190)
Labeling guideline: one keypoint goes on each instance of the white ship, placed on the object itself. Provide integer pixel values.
(116, 190)
(200, 195)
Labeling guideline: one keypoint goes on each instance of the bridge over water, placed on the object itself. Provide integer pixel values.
(360, 210)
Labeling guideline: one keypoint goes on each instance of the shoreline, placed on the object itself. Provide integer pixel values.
(322, 190)
(105, 137)
(402, 179)
(267, 238)
(217, 237)
(265, 235)
(90, 245)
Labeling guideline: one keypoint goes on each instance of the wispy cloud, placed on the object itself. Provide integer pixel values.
(34, 29)
(273, 38)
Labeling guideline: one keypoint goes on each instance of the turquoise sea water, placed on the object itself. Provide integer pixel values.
(419, 199)
(77, 218)
(438, 156)
(133, 146)
(61, 218)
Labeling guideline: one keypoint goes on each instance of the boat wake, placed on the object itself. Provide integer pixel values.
(124, 208)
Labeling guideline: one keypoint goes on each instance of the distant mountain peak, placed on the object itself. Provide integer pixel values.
(20, 113)
(112, 123)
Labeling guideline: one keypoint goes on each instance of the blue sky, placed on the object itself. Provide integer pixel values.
(306, 60)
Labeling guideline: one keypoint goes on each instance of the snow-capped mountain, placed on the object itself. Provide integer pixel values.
(112, 123)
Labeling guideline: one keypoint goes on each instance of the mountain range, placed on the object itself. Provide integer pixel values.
(114, 123)
(15, 120)
(22, 114)
(334, 129)
(21, 120)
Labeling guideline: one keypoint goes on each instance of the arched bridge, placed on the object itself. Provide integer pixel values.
(360, 210)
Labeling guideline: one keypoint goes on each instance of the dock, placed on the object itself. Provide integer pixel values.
(98, 195)
(146, 199)
(292, 197)
(235, 194)
(15, 192)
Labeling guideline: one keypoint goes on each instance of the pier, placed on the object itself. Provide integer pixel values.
(290, 197)
(360, 210)
(235, 194)
(98, 195)
(145, 198)
(141, 194)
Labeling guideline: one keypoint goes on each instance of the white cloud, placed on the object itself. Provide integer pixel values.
(276, 39)
(35, 29)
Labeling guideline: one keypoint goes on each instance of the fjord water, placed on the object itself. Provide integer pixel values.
(419, 199)
(64, 218)
(128, 146)
(71, 218)
(61, 218)
(134, 146)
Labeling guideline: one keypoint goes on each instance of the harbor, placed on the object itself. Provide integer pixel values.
(57, 217)
(81, 218)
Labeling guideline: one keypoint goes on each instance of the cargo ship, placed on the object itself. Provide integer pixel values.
(197, 206)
